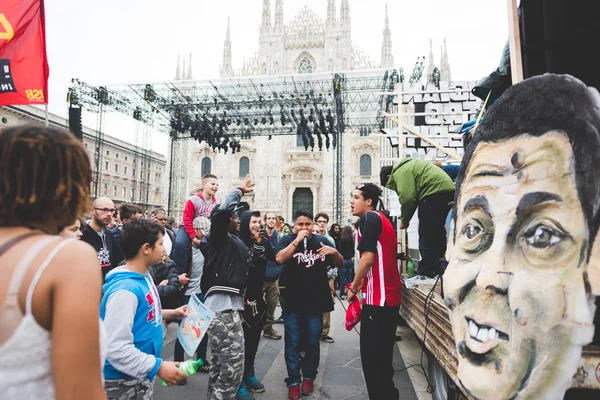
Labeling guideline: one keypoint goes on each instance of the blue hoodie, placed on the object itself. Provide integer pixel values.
(146, 326)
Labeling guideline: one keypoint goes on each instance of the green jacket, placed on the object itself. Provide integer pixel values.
(415, 179)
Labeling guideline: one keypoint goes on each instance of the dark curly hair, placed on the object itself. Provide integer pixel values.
(45, 176)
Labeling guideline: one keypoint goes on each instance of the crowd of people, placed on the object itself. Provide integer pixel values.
(241, 263)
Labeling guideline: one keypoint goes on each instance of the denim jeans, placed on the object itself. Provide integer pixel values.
(345, 275)
(181, 250)
(305, 329)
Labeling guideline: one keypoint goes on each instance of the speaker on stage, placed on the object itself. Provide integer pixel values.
(75, 122)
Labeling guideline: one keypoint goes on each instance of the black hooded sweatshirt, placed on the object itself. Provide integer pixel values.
(256, 275)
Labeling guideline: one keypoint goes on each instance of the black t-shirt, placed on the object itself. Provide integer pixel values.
(370, 229)
(307, 287)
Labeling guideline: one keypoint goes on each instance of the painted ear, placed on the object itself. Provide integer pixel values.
(593, 268)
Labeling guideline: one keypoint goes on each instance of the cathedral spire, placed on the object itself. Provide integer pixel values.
(226, 67)
(431, 65)
(445, 74)
(178, 69)
(387, 58)
(331, 13)
(345, 13)
(278, 27)
(189, 74)
(265, 27)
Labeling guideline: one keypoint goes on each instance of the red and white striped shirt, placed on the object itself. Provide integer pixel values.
(382, 282)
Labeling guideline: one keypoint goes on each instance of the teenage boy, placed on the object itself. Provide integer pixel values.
(322, 220)
(307, 296)
(199, 205)
(271, 285)
(133, 317)
(224, 281)
(377, 274)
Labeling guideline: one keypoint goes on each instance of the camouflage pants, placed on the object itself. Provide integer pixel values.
(271, 291)
(226, 338)
(129, 389)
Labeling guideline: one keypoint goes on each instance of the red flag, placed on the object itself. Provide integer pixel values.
(23, 62)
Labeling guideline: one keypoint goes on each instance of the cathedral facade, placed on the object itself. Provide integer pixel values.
(287, 176)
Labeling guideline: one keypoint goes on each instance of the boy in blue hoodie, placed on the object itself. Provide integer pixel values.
(132, 317)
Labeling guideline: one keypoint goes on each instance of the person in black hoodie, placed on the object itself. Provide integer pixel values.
(255, 311)
(164, 275)
(224, 280)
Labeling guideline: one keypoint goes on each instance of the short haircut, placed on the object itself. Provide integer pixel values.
(536, 106)
(302, 213)
(158, 211)
(384, 173)
(371, 191)
(255, 213)
(136, 233)
(208, 176)
(45, 175)
(128, 210)
(279, 217)
(322, 215)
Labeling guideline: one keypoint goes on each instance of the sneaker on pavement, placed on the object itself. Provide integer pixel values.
(205, 367)
(307, 386)
(271, 334)
(294, 393)
(327, 338)
(254, 384)
(243, 393)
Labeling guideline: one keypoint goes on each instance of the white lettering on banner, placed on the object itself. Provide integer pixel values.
(308, 258)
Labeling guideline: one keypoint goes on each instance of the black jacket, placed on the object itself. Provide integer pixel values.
(114, 257)
(169, 294)
(226, 257)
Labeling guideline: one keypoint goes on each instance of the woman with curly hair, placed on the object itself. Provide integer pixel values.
(51, 286)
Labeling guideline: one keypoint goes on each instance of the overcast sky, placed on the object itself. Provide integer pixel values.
(137, 41)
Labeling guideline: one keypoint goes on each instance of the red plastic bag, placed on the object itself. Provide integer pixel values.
(353, 314)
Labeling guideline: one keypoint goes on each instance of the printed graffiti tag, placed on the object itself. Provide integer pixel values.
(308, 258)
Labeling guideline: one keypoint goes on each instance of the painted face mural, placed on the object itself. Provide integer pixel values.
(517, 288)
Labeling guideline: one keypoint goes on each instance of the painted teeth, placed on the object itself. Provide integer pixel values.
(482, 334)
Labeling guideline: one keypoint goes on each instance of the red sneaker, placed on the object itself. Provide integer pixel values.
(294, 393)
(307, 386)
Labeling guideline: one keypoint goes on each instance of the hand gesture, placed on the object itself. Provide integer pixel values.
(196, 242)
(326, 250)
(170, 373)
(179, 313)
(302, 234)
(248, 184)
(351, 296)
(183, 279)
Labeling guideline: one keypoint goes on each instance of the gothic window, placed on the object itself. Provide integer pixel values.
(365, 131)
(264, 69)
(276, 68)
(305, 67)
(244, 167)
(365, 165)
(206, 164)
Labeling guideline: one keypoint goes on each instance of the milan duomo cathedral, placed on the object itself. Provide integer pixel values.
(287, 176)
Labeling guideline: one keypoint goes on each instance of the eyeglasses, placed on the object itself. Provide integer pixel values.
(321, 221)
(106, 210)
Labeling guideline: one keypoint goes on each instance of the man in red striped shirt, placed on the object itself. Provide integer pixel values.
(378, 277)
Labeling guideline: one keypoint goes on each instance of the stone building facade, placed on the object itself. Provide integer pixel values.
(117, 170)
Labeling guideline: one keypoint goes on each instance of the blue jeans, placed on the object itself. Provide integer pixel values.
(305, 329)
(345, 274)
(181, 250)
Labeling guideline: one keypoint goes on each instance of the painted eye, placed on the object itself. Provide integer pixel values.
(543, 237)
(471, 231)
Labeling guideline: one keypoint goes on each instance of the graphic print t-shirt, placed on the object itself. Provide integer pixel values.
(307, 288)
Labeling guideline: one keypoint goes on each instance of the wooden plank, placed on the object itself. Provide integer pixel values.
(514, 42)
